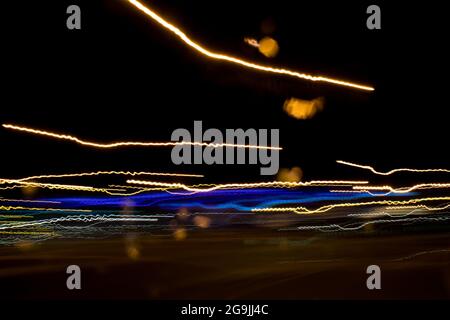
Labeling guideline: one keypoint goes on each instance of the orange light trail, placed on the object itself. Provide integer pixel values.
(387, 173)
(222, 57)
(130, 143)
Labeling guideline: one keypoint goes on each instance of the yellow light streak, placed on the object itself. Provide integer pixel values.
(304, 210)
(78, 218)
(130, 143)
(347, 191)
(97, 173)
(9, 208)
(277, 184)
(387, 173)
(53, 185)
(27, 232)
(348, 227)
(28, 201)
(10, 216)
(420, 207)
(404, 190)
(223, 57)
(10, 187)
(396, 211)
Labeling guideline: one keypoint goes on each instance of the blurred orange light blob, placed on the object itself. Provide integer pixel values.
(202, 222)
(303, 109)
(29, 191)
(180, 234)
(133, 252)
(24, 245)
(268, 47)
(183, 214)
(294, 174)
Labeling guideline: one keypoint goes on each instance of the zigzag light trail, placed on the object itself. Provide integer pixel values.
(97, 173)
(337, 227)
(130, 143)
(11, 216)
(387, 173)
(304, 210)
(119, 191)
(404, 190)
(164, 186)
(28, 201)
(53, 186)
(27, 233)
(9, 208)
(279, 184)
(222, 57)
(84, 218)
(417, 209)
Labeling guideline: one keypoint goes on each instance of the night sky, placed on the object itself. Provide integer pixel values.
(123, 77)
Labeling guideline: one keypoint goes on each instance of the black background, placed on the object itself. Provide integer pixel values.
(123, 77)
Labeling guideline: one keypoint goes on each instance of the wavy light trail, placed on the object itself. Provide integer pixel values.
(403, 190)
(28, 201)
(280, 184)
(85, 218)
(97, 173)
(130, 143)
(417, 209)
(387, 173)
(9, 208)
(304, 210)
(337, 227)
(223, 57)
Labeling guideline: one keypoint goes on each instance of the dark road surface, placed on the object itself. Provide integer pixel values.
(232, 264)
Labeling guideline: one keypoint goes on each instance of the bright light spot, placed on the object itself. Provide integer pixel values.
(268, 47)
(303, 109)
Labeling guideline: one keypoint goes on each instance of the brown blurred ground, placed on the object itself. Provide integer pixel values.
(231, 264)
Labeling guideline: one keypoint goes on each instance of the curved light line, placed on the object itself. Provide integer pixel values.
(219, 56)
(131, 143)
(304, 210)
(387, 173)
(276, 184)
(98, 173)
